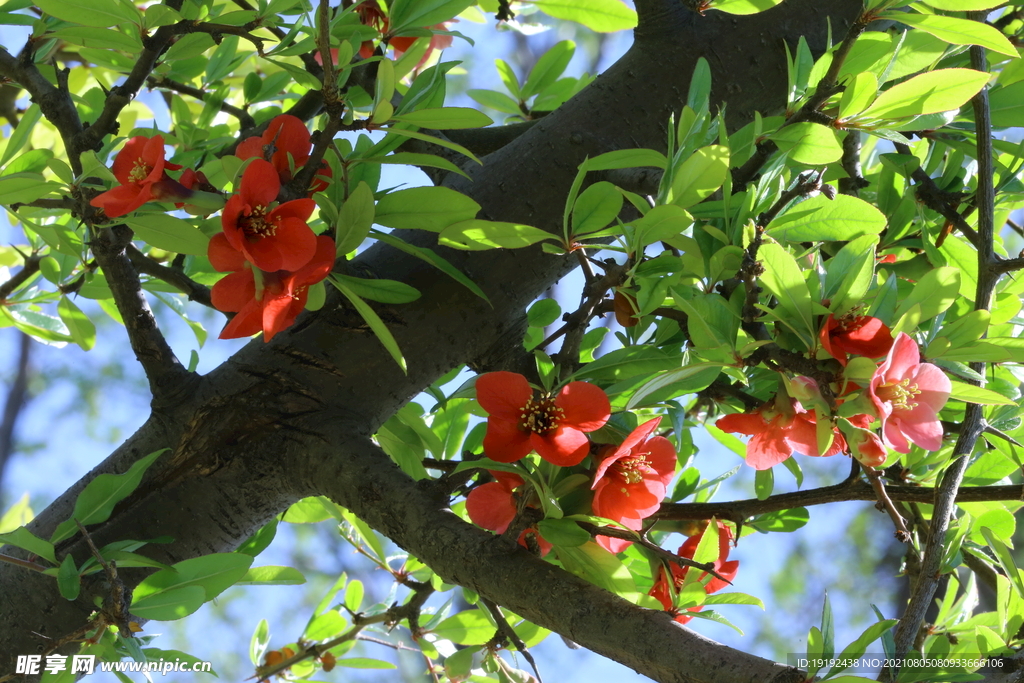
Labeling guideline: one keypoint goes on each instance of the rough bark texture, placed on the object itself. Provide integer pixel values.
(292, 418)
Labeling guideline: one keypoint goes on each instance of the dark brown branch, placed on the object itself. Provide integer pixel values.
(885, 502)
(28, 270)
(244, 119)
(847, 491)
(64, 204)
(172, 276)
(851, 164)
(167, 377)
(17, 398)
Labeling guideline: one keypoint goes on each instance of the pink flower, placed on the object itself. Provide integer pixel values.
(908, 396)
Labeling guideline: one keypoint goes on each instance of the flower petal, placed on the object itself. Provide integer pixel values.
(503, 394)
(260, 184)
(234, 292)
(491, 506)
(744, 423)
(586, 406)
(290, 248)
(564, 446)
(224, 257)
(903, 357)
(504, 441)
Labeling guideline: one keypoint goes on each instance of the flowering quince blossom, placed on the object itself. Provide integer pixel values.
(908, 396)
(862, 443)
(271, 239)
(631, 480)
(274, 303)
(493, 506)
(142, 172)
(861, 335)
(777, 429)
(554, 426)
(724, 568)
(285, 144)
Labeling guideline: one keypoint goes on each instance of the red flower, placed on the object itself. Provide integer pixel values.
(908, 395)
(286, 144)
(141, 170)
(401, 44)
(282, 296)
(777, 430)
(553, 426)
(493, 506)
(631, 481)
(271, 239)
(683, 575)
(860, 335)
(863, 443)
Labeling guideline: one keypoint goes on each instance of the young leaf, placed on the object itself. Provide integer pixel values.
(820, 219)
(81, 329)
(809, 143)
(375, 323)
(445, 118)
(957, 31)
(476, 235)
(424, 208)
(928, 93)
(98, 498)
(355, 219)
(699, 176)
(603, 16)
(548, 68)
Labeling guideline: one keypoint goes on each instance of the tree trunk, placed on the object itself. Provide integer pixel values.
(292, 418)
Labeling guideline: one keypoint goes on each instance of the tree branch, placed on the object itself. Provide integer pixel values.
(167, 377)
(244, 119)
(172, 276)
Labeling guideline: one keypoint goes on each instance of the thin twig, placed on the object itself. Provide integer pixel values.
(875, 479)
(172, 276)
(244, 119)
(507, 631)
(29, 268)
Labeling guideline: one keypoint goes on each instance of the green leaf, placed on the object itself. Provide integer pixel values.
(562, 532)
(968, 393)
(672, 377)
(355, 219)
(69, 582)
(928, 93)
(603, 16)
(364, 663)
(860, 646)
(809, 143)
(595, 208)
(663, 223)
(419, 13)
(387, 145)
(543, 313)
(20, 188)
(764, 484)
(595, 564)
(471, 627)
(626, 158)
(936, 291)
(212, 574)
(498, 101)
(744, 6)
(376, 324)
(415, 159)
(820, 219)
(26, 540)
(81, 329)
(784, 279)
(433, 259)
(849, 273)
(384, 291)
(272, 576)
(548, 68)
(964, 5)
(1005, 557)
(174, 603)
(98, 498)
(699, 176)
(445, 118)
(168, 233)
(99, 13)
(859, 94)
(20, 135)
(425, 208)
(476, 235)
(957, 31)
(99, 38)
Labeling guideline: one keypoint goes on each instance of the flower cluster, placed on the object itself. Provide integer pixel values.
(269, 251)
(904, 395)
(681, 576)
